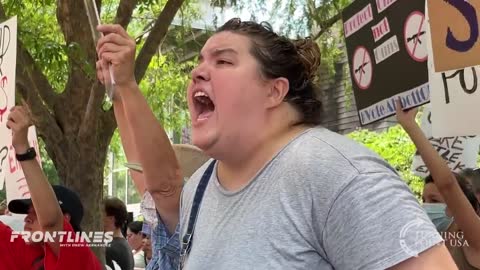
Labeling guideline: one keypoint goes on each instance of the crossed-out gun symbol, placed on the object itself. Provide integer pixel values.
(361, 68)
(416, 37)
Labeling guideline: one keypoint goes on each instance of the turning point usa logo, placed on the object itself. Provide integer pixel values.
(71, 239)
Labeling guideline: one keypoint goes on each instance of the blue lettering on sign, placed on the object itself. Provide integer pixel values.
(469, 13)
(412, 98)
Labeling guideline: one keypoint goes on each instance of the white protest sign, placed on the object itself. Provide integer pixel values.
(15, 182)
(454, 98)
(459, 152)
(8, 58)
(10, 171)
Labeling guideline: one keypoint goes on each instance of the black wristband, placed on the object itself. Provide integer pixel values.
(29, 155)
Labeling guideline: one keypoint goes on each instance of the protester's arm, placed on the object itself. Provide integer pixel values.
(128, 145)
(465, 216)
(155, 153)
(48, 210)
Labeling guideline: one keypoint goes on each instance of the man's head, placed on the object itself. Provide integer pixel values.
(247, 76)
(68, 200)
(115, 214)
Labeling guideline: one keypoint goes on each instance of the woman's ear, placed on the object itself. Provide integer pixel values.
(277, 92)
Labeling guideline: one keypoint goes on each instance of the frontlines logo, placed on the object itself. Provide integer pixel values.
(69, 239)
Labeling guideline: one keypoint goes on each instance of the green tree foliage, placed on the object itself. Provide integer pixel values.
(396, 148)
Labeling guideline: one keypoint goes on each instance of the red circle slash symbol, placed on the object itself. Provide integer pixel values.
(414, 33)
(362, 68)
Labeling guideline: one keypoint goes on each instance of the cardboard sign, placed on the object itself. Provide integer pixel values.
(455, 98)
(387, 54)
(8, 60)
(459, 152)
(454, 30)
(11, 173)
(15, 181)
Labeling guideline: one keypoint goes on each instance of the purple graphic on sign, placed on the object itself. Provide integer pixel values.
(469, 13)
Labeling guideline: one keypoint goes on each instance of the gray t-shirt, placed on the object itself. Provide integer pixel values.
(323, 202)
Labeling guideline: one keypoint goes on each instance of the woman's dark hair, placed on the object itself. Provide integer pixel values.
(135, 226)
(466, 187)
(116, 208)
(296, 60)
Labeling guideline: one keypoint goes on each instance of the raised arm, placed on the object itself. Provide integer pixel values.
(160, 167)
(462, 211)
(48, 211)
(128, 145)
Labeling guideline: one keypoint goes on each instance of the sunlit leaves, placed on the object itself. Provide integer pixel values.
(41, 35)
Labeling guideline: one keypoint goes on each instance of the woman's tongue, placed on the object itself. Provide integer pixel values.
(204, 115)
(206, 109)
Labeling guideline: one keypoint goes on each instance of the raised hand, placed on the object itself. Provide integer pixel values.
(117, 48)
(406, 118)
(19, 121)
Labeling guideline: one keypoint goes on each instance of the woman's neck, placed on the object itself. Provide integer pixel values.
(234, 173)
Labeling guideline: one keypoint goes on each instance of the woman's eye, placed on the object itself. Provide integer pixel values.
(223, 62)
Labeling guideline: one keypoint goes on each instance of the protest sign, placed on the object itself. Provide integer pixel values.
(454, 32)
(8, 58)
(386, 50)
(15, 181)
(10, 171)
(454, 97)
(459, 152)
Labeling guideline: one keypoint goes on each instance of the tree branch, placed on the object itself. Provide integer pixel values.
(43, 120)
(30, 74)
(124, 12)
(92, 111)
(157, 34)
(325, 25)
(109, 124)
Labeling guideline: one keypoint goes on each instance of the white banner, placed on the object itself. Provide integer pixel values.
(455, 98)
(459, 152)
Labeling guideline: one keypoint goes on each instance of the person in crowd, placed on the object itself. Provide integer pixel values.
(51, 209)
(336, 205)
(147, 243)
(135, 238)
(473, 175)
(115, 219)
(449, 199)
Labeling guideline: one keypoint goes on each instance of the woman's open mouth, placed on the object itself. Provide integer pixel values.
(204, 106)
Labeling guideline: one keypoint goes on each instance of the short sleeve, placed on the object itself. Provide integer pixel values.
(13, 249)
(148, 210)
(72, 257)
(376, 223)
